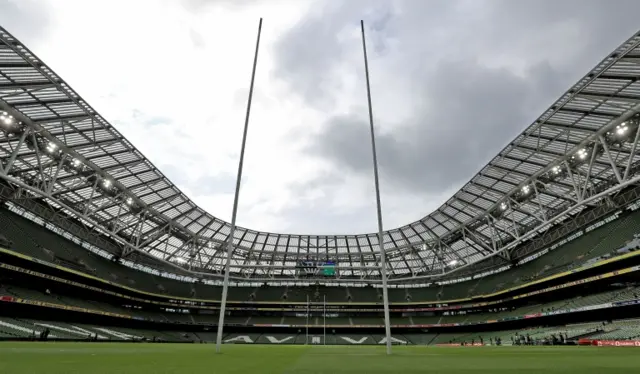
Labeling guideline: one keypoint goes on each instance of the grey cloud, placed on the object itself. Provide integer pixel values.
(26, 19)
(321, 180)
(465, 112)
(588, 29)
(316, 48)
(317, 215)
(313, 216)
(312, 50)
(462, 124)
(205, 184)
(311, 219)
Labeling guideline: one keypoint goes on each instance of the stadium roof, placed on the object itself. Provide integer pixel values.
(55, 146)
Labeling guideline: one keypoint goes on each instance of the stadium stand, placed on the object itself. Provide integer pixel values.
(28, 238)
(527, 258)
(31, 239)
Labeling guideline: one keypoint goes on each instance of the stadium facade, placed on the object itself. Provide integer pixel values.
(95, 235)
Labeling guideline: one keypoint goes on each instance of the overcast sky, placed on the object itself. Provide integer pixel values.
(453, 81)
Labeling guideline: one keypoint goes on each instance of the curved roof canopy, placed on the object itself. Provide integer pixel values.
(55, 146)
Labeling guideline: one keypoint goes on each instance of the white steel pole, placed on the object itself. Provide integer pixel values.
(383, 264)
(324, 321)
(225, 287)
(307, 325)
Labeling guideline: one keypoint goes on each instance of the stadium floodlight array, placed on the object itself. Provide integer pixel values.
(622, 133)
(58, 153)
(7, 121)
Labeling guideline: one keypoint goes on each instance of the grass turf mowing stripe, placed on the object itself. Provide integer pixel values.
(138, 358)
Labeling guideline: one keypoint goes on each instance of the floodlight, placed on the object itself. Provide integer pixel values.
(453, 262)
(503, 206)
(6, 118)
(51, 147)
(622, 128)
(556, 169)
(76, 162)
(106, 183)
(525, 189)
(582, 154)
(129, 201)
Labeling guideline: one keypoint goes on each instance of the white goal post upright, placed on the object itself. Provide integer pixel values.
(324, 320)
(383, 260)
(227, 266)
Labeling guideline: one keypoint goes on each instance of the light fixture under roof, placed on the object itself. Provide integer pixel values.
(51, 147)
(621, 129)
(582, 154)
(6, 118)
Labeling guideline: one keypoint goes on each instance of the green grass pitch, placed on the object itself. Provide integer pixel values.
(114, 358)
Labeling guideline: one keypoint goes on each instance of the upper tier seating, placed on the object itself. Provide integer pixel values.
(32, 239)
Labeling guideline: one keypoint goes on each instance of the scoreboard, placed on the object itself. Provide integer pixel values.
(329, 269)
(316, 267)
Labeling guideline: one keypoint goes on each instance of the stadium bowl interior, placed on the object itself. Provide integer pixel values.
(540, 247)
